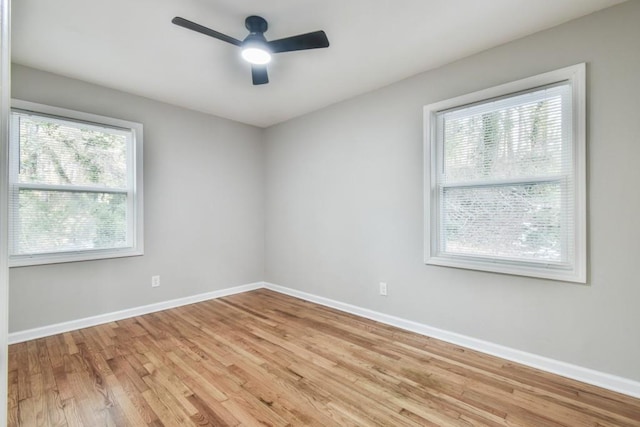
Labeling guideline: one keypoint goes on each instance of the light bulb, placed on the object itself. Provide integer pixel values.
(256, 55)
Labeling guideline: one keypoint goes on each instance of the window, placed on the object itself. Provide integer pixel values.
(505, 178)
(75, 186)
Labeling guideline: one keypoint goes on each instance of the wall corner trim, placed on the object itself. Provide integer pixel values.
(568, 370)
(72, 325)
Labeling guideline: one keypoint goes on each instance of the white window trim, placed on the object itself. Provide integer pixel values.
(576, 75)
(135, 199)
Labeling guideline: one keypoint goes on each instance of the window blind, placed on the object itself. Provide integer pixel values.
(71, 185)
(505, 178)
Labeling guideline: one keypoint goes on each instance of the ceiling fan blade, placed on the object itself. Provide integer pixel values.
(259, 74)
(204, 30)
(314, 40)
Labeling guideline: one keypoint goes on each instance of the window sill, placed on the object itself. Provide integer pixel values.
(29, 260)
(537, 270)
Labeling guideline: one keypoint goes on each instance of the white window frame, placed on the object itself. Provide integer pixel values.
(134, 189)
(575, 270)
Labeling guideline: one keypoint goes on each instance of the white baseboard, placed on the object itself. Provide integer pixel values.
(58, 328)
(585, 375)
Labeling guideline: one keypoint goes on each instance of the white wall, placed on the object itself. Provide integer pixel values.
(204, 210)
(344, 204)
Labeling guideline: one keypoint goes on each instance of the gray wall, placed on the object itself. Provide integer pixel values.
(204, 210)
(344, 204)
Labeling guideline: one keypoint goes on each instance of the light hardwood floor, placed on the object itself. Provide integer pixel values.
(262, 358)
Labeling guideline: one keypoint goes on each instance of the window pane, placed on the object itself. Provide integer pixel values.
(71, 153)
(511, 221)
(521, 136)
(59, 221)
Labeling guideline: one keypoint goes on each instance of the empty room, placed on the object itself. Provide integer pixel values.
(320, 213)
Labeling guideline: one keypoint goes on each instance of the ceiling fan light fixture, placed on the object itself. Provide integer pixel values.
(256, 54)
(255, 48)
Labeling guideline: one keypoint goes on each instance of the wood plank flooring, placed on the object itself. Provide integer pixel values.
(265, 359)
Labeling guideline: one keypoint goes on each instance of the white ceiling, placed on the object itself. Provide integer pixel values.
(131, 45)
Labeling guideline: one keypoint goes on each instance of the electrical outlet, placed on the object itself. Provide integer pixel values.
(155, 281)
(383, 288)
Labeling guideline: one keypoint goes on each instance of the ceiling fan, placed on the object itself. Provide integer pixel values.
(255, 47)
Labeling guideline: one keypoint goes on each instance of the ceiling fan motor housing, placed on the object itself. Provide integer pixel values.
(256, 24)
